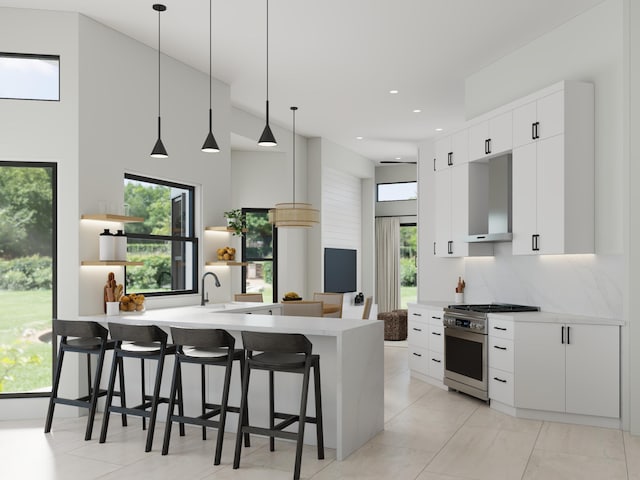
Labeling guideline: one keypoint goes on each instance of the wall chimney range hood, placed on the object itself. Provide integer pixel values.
(499, 202)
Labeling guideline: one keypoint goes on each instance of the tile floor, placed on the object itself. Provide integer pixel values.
(429, 434)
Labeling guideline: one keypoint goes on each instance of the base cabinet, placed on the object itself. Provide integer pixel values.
(571, 368)
(426, 342)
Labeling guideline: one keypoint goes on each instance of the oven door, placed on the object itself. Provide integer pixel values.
(465, 360)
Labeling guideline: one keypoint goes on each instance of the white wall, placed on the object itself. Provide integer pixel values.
(338, 180)
(589, 285)
(118, 114)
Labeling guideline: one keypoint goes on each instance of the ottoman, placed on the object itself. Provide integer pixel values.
(395, 324)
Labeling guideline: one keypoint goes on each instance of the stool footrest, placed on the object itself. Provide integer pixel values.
(201, 421)
(289, 418)
(270, 433)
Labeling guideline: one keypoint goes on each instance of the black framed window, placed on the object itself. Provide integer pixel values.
(393, 192)
(25, 76)
(260, 252)
(165, 241)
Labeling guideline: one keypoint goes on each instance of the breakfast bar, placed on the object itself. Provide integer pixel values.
(351, 362)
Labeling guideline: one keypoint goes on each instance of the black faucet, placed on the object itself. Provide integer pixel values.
(205, 297)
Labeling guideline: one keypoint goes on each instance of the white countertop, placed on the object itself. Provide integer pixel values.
(543, 317)
(208, 317)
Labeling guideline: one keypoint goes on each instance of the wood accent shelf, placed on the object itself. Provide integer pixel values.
(228, 263)
(110, 217)
(108, 263)
(222, 229)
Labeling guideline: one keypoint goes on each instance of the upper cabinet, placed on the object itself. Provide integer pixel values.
(452, 150)
(491, 137)
(553, 173)
(539, 119)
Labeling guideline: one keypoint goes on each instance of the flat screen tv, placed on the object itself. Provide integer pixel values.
(340, 270)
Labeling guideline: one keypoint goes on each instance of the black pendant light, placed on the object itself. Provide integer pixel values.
(267, 139)
(210, 145)
(158, 149)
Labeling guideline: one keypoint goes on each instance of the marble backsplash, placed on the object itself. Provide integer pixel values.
(590, 285)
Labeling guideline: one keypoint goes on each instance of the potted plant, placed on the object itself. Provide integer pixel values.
(236, 221)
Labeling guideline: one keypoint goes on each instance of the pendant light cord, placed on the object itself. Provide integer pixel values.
(210, 49)
(159, 64)
(294, 155)
(267, 54)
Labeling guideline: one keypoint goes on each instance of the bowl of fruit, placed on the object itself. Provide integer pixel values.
(291, 296)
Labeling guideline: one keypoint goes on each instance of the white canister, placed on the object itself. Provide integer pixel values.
(113, 309)
(459, 298)
(107, 245)
(120, 250)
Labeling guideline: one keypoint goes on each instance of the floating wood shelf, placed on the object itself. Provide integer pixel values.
(228, 263)
(110, 217)
(109, 263)
(222, 229)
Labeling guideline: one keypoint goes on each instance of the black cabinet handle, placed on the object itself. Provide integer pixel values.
(537, 124)
(500, 328)
(568, 335)
(436, 333)
(417, 329)
(535, 245)
(434, 248)
(417, 314)
(436, 360)
(499, 380)
(450, 247)
(417, 354)
(487, 146)
(436, 318)
(499, 348)
(434, 164)
(533, 131)
(562, 336)
(450, 158)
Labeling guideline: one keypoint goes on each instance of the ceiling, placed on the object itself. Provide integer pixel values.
(337, 60)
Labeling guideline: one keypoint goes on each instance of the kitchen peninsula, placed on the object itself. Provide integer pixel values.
(351, 359)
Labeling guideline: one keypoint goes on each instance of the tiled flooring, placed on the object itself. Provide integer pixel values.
(430, 434)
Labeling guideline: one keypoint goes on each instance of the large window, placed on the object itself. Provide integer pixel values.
(29, 77)
(27, 273)
(259, 251)
(391, 192)
(165, 242)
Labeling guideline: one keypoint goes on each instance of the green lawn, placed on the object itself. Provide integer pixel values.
(23, 318)
(408, 295)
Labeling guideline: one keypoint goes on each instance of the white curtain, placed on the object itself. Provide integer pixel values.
(387, 263)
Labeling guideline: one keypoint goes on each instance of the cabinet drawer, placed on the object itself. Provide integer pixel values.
(418, 334)
(436, 338)
(436, 365)
(418, 314)
(501, 327)
(435, 317)
(501, 386)
(418, 358)
(501, 354)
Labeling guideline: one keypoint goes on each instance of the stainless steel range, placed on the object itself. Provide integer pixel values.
(466, 345)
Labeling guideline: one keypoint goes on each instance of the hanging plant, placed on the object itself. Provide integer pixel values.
(236, 221)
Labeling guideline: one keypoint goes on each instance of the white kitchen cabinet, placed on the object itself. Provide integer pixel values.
(540, 119)
(491, 137)
(572, 368)
(426, 343)
(452, 150)
(501, 360)
(461, 210)
(553, 178)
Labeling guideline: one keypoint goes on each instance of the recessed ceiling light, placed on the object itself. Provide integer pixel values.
(393, 92)
(398, 158)
(438, 129)
(359, 138)
(417, 110)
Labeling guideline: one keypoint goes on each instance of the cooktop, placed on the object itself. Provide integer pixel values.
(495, 308)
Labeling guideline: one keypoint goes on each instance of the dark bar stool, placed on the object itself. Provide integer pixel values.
(281, 352)
(146, 342)
(89, 338)
(204, 347)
